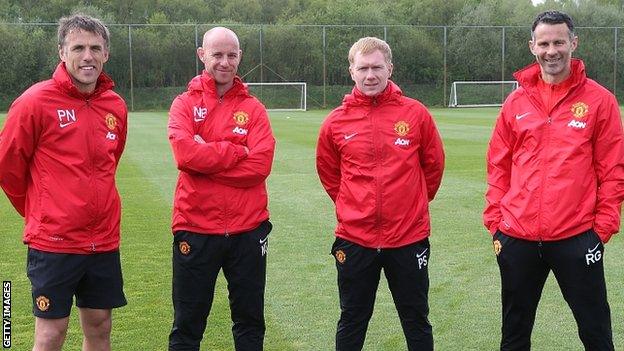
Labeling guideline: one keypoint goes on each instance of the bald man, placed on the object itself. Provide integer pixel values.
(223, 147)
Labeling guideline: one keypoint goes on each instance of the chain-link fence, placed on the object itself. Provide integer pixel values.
(152, 63)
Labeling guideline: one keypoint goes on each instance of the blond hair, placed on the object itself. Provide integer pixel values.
(368, 45)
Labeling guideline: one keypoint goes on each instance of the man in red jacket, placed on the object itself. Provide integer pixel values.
(223, 146)
(555, 168)
(380, 159)
(59, 151)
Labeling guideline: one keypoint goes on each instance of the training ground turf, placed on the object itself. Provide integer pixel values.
(301, 298)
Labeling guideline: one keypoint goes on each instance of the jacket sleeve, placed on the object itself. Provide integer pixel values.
(609, 167)
(121, 145)
(328, 161)
(18, 141)
(431, 155)
(193, 157)
(254, 169)
(499, 156)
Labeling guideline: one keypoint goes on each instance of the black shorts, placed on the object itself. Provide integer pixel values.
(95, 280)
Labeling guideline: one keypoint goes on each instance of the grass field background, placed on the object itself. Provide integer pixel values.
(301, 298)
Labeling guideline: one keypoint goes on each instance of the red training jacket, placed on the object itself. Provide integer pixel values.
(380, 159)
(556, 173)
(59, 151)
(221, 189)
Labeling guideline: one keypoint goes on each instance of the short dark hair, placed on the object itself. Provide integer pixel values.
(553, 17)
(82, 22)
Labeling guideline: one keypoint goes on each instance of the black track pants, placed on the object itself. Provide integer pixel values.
(197, 260)
(577, 264)
(359, 270)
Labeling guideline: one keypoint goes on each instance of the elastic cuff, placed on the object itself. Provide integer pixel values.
(240, 152)
(493, 229)
(603, 237)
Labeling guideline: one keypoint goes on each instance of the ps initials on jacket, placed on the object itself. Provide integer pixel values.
(390, 169)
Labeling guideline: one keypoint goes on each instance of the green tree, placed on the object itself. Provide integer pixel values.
(27, 54)
(344, 12)
(475, 53)
(430, 12)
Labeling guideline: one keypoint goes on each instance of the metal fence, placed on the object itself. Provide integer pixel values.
(152, 63)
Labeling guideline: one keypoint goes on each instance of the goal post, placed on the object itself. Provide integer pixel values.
(280, 96)
(480, 93)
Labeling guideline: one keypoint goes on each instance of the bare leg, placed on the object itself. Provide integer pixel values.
(96, 326)
(50, 333)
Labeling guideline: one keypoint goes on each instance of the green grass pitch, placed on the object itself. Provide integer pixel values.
(301, 297)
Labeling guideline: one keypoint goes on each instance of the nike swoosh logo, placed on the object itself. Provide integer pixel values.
(262, 241)
(422, 253)
(594, 249)
(198, 119)
(523, 115)
(347, 137)
(63, 125)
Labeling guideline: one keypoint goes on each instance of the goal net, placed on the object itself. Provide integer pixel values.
(480, 94)
(281, 96)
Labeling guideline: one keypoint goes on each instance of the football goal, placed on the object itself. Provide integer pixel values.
(281, 96)
(480, 94)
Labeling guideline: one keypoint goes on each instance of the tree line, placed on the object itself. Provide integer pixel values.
(433, 42)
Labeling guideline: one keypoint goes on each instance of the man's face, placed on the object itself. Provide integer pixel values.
(84, 54)
(370, 72)
(553, 47)
(221, 57)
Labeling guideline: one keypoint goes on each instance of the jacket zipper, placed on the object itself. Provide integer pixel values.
(90, 147)
(547, 138)
(540, 222)
(378, 182)
(225, 203)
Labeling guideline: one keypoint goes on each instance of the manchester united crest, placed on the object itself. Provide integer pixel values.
(111, 121)
(241, 118)
(43, 303)
(579, 110)
(185, 248)
(497, 247)
(401, 128)
(340, 256)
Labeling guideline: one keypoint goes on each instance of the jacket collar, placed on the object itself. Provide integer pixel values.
(205, 83)
(529, 76)
(64, 81)
(392, 94)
